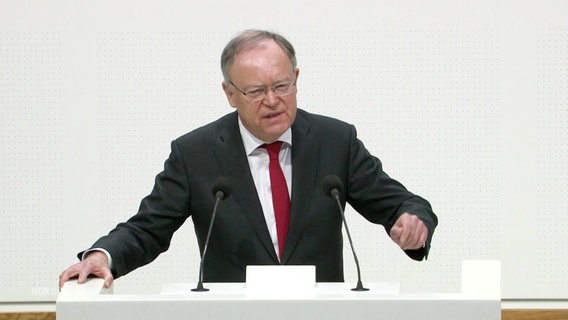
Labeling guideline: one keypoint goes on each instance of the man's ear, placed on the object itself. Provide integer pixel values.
(229, 93)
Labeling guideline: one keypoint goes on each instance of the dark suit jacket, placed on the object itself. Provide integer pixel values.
(320, 146)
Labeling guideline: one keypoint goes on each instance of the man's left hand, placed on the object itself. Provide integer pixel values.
(409, 232)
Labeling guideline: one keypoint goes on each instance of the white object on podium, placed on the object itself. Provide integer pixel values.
(478, 299)
(269, 282)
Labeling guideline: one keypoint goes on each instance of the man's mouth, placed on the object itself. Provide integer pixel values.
(272, 115)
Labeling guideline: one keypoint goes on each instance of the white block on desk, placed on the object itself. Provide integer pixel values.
(481, 278)
(280, 281)
(73, 291)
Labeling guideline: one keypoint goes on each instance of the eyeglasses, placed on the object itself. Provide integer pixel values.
(256, 94)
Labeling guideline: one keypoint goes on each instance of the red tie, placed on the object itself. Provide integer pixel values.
(280, 197)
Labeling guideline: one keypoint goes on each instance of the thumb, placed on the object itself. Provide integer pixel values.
(108, 278)
(108, 281)
(395, 232)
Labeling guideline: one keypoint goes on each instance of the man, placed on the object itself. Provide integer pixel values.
(260, 81)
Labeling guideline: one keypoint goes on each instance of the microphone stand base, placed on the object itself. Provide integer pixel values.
(360, 287)
(200, 288)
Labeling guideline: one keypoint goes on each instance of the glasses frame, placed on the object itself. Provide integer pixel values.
(265, 91)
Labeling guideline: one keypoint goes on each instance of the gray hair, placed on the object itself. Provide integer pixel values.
(249, 39)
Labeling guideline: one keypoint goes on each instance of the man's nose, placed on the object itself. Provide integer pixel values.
(270, 98)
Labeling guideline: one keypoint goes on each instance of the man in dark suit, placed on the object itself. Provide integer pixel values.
(261, 77)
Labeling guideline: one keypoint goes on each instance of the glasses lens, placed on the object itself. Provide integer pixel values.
(256, 94)
(279, 90)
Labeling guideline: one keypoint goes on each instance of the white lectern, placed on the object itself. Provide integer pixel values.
(480, 298)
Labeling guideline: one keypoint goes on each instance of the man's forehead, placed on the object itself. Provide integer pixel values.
(266, 45)
(262, 56)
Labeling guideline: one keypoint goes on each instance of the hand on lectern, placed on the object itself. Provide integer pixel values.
(95, 264)
(409, 232)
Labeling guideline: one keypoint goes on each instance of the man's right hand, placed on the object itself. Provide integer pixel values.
(95, 263)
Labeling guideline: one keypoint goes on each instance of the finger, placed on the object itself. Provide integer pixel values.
(400, 228)
(94, 270)
(87, 268)
(68, 274)
(395, 233)
(423, 237)
(423, 234)
(405, 236)
(419, 237)
(414, 227)
(107, 275)
(414, 241)
(63, 277)
(108, 281)
(83, 275)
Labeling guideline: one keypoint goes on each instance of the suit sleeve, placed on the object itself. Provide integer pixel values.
(380, 198)
(144, 236)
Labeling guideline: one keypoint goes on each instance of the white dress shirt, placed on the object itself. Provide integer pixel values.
(258, 163)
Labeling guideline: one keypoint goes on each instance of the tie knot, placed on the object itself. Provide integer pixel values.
(273, 149)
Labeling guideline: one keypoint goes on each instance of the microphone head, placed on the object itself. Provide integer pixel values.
(222, 184)
(331, 182)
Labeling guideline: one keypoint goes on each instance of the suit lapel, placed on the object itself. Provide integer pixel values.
(305, 153)
(231, 156)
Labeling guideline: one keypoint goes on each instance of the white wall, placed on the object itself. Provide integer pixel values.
(466, 103)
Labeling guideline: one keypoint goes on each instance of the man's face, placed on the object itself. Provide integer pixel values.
(265, 65)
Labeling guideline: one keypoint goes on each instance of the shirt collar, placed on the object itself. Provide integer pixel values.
(251, 142)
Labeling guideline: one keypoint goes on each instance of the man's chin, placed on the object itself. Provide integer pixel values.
(274, 133)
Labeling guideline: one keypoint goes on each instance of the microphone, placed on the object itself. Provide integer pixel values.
(332, 185)
(221, 190)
